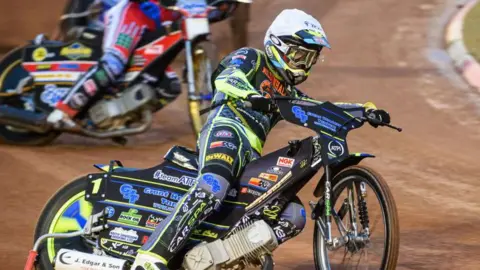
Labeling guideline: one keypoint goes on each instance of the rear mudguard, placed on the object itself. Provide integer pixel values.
(353, 159)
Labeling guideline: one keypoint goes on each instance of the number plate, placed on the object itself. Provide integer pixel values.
(196, 27)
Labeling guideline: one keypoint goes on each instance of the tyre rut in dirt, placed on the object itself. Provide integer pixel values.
(11, 73)
(65, 211)
(204, 61)
(389, 211)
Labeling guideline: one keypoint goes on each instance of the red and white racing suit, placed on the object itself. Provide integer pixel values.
(125, 24)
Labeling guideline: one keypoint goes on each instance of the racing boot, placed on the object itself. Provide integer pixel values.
(167, 89)
(90, 85)
(148, 262)
(173, 232)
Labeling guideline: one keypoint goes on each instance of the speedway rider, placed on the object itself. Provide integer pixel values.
(125, 23)
(235, 134)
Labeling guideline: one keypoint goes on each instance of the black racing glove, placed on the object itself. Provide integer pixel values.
(260, 103)
(377, 117)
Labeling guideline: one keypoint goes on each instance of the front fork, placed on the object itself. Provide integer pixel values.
(324, 222)
(190, 69)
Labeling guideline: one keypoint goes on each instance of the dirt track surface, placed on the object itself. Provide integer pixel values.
(378, 55)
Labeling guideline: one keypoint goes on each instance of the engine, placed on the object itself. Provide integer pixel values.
(237, 251)
(105, 112)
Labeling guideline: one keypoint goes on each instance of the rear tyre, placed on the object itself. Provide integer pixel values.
(204, 62)
(66, 211)
(11, 74)
(352, 177)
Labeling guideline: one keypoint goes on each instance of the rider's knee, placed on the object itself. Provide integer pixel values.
(113, 65)
(214, 184)
(295, 213)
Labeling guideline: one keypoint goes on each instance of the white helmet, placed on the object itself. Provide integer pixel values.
(293, 43)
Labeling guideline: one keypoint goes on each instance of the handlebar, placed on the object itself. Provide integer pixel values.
(268, 106)
(271, 106)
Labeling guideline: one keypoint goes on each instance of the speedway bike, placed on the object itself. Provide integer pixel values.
(101, 219)
(35, 76)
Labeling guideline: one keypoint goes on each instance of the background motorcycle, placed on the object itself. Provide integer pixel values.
(103, 218)
(78, 14)
(35, 76)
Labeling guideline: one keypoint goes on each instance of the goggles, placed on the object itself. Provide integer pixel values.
(299, 57)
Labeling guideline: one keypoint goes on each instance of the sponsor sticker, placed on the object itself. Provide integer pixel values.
(153, 221)
(219, 156)
(131, 217)
(184, 180)
(76, 51)
(78, 100)
(110, 211)
(212, 182)
(52, 94)
(224, 144)
(40, 54)
(43, 67)
(90, 87)
(121, 234)
(68, 66)
(223, 134)
(275, 170)
(335, 148)
(259, 183)
(285, 162)
(271, 177)
(254, 192)
(239, 56)
(155, 49)
(129, 193)
(232, 193)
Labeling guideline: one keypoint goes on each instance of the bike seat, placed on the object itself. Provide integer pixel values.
(183, 157)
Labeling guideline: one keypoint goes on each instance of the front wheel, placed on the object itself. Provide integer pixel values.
(365, 226)
(204, 62)
(66, 211)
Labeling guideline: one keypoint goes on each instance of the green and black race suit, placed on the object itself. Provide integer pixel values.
(245, 72)
(232, 137)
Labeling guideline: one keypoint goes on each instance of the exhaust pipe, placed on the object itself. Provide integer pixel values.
(67, 259)
(19, 118)
(36, 122)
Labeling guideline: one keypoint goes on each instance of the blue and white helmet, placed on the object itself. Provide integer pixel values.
(293, 43)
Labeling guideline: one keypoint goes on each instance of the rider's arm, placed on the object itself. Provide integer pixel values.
(356, 109)
(240, 66)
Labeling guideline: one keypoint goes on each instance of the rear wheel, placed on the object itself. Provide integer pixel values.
(66, 211)
(13, 76)
(204, 62)
(367, 217)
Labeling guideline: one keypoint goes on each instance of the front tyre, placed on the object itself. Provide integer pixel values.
(204, 62)
(361, 200)
(66, 211)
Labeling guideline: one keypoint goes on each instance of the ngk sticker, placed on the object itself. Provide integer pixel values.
(285, 162)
